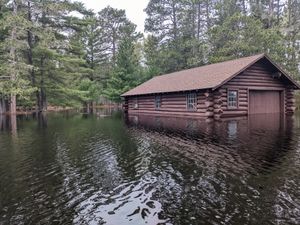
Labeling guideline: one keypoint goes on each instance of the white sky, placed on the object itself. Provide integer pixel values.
(134, 9)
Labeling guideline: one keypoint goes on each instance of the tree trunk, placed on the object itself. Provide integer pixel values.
(271, 11)
(174, 19)
(114, 46)
(42, 98)
(198, 20)
(194, 11)
(13, 98)
(207, 15)
(30, 54)
(2, 106)
(278, 12)
(86, 108)
(244, 7)
(13, 124)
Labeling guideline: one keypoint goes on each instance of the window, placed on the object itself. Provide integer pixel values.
(157, 102)
(136, 103)
(192, 101)
(232, 99)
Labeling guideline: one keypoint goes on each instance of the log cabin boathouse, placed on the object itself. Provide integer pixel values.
(250, 85)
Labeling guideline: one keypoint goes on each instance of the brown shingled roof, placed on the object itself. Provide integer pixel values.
(204, 77)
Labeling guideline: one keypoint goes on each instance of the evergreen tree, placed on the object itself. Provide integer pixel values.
(240, 36)
(126, 73)
(153, 58)
(14, 68)
(114, 25)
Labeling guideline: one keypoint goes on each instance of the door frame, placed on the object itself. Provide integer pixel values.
(282, 96)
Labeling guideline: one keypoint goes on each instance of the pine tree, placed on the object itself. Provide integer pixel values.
(241, 35)
(14, 68)
(114, 25)
(126, 73)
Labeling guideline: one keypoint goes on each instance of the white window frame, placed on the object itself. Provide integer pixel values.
(136, 103)
(191, 101)
(157, 102)
(232, 99)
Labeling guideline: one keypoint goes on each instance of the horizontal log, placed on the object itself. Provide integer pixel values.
(260, 68)
(254, 80)
(217, 106)
(234, 113)
(292, 100)
(239, 99)
(291, 109)
(173, 99)
(211, 108)
(208, 94)
(209, 114)
(218, 111)
(289, 96)
(257, 74)
(258, 88)
(208, 103)
(168, 109)
(217, 93)
(217, 116)
(193, 114)
(201, 107)
(240, 108)
(174, 103)
(254, 83)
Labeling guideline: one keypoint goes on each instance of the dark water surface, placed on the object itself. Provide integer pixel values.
(73, 169)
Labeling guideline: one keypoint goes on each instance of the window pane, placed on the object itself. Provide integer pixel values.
(192, 101)
(157, 102)
(136, 103)
(232, 99)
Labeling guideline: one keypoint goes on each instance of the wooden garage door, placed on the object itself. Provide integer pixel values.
(264, 102)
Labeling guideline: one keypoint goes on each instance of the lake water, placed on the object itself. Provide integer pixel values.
(69, 168)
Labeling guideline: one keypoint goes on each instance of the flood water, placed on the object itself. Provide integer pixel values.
(69, 168)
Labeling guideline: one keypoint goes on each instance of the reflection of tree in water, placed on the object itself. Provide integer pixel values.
(4, 122)
(42, 120)
(32, 177)
(215, 170)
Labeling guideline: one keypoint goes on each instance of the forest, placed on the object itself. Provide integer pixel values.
(59, 53)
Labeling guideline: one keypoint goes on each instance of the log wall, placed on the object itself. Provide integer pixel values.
(171, 104)
(256, 77)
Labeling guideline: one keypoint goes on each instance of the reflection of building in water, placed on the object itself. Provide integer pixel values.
(232, 129)
(262, 137)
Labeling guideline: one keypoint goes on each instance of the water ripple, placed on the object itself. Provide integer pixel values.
(150, 171)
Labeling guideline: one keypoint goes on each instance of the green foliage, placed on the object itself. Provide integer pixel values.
(240, 36)
(50, 56)
(126, 73)
(13, 66)
(196, 32)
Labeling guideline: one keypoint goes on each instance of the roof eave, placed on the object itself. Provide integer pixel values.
(283, 72)
(168, 92)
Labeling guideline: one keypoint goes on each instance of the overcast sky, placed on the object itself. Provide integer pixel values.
(134, 9)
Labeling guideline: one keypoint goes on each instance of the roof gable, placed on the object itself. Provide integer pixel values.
(205, 77)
